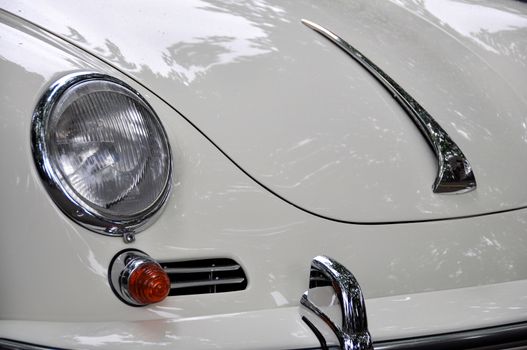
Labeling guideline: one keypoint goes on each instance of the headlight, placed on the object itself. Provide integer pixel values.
(102, 153)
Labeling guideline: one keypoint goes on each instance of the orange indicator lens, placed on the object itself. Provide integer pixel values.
(149, 283)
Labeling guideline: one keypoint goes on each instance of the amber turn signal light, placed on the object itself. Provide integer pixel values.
(137, 279)
(148, 283)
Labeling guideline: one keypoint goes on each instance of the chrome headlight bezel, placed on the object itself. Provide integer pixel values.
(76, 208)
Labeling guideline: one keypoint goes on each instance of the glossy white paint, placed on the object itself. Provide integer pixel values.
(309, 123)
(244, 331)
(487, 305)
(216, 210)
(448, 311)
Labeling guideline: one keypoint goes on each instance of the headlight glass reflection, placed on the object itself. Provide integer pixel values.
(107, 151)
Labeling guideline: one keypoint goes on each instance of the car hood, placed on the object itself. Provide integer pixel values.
(305, 120)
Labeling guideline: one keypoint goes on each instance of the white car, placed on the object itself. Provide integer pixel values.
(263, 174)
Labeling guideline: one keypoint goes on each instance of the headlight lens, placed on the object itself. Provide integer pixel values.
(101, 145)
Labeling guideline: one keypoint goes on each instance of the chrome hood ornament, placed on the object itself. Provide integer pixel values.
(353, 332)
(454, 174)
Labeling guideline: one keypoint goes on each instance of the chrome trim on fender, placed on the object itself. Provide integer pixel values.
(233, 267)
(204, 283)
(454, 173)
(353, 333)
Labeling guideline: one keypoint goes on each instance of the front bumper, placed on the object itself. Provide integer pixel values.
(392, 324)
(513, 336)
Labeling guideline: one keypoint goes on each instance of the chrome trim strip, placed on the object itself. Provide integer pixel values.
(205, 283)
(454, 173)
(513, 336)
(201, 269)
(75, 208)
(7, 344)
(353, 333)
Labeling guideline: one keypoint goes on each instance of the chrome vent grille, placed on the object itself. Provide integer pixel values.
(205, 276)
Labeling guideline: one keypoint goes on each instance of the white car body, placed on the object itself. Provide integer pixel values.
(284, 148)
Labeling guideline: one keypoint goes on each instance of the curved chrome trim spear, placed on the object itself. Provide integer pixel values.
(454, 173)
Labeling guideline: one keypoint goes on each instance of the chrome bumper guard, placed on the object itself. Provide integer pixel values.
(352, 333)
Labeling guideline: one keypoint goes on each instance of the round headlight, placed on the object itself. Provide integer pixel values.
(102, 153)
